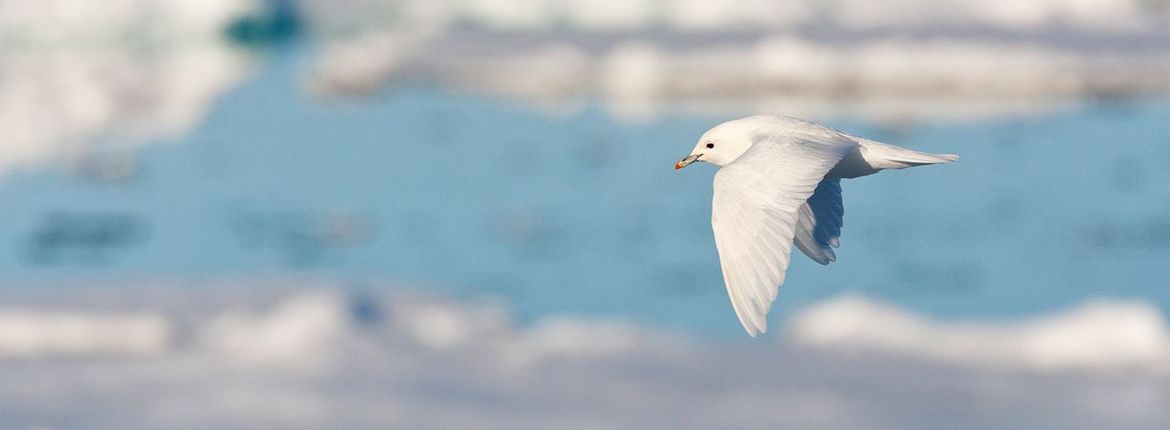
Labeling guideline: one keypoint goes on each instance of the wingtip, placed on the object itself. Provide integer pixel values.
(754, 331)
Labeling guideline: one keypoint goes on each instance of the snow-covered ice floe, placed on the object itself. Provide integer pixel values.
(73, 74)
(892, 62)
(327, 357)
(76, 75)
(31, 334)
(1096, 336)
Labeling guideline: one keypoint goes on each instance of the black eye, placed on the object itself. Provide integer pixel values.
(710, 146)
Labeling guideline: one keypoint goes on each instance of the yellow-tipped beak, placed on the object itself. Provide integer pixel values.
(686, 161)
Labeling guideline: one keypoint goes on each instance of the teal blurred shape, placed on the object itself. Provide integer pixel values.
(278, 21)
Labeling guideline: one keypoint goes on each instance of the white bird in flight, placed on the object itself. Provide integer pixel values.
(779, 184)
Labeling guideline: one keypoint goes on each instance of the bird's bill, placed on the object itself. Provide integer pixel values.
(687, 161)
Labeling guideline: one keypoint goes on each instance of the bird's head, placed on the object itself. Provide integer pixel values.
(725, 142)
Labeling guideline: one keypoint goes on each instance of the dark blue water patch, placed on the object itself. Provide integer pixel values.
(582, 213)
(272, 22)
(82, 238)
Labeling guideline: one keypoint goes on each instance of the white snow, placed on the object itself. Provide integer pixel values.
(302, 331)
(594, 15)
(1096, 336)
(75, 72)
(38, 334)
(885, 61)
(317, 357)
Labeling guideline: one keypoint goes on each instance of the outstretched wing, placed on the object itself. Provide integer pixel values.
(819, 226)
(756, 205)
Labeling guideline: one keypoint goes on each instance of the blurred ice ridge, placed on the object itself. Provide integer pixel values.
(1095, 336)
(316, 327)
(1101, 15)
(322, 358)
(72, 73)
(33, 334)
(890, 60)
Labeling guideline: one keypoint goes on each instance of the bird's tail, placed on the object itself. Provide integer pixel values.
(883, 156)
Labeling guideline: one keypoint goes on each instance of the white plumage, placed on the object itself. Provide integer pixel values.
(779, 185)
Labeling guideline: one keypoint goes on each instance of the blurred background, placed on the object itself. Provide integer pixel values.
(462, 214)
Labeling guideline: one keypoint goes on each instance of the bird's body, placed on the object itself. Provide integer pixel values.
(779, 185)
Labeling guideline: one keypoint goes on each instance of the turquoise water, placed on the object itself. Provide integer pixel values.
(582, 213)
